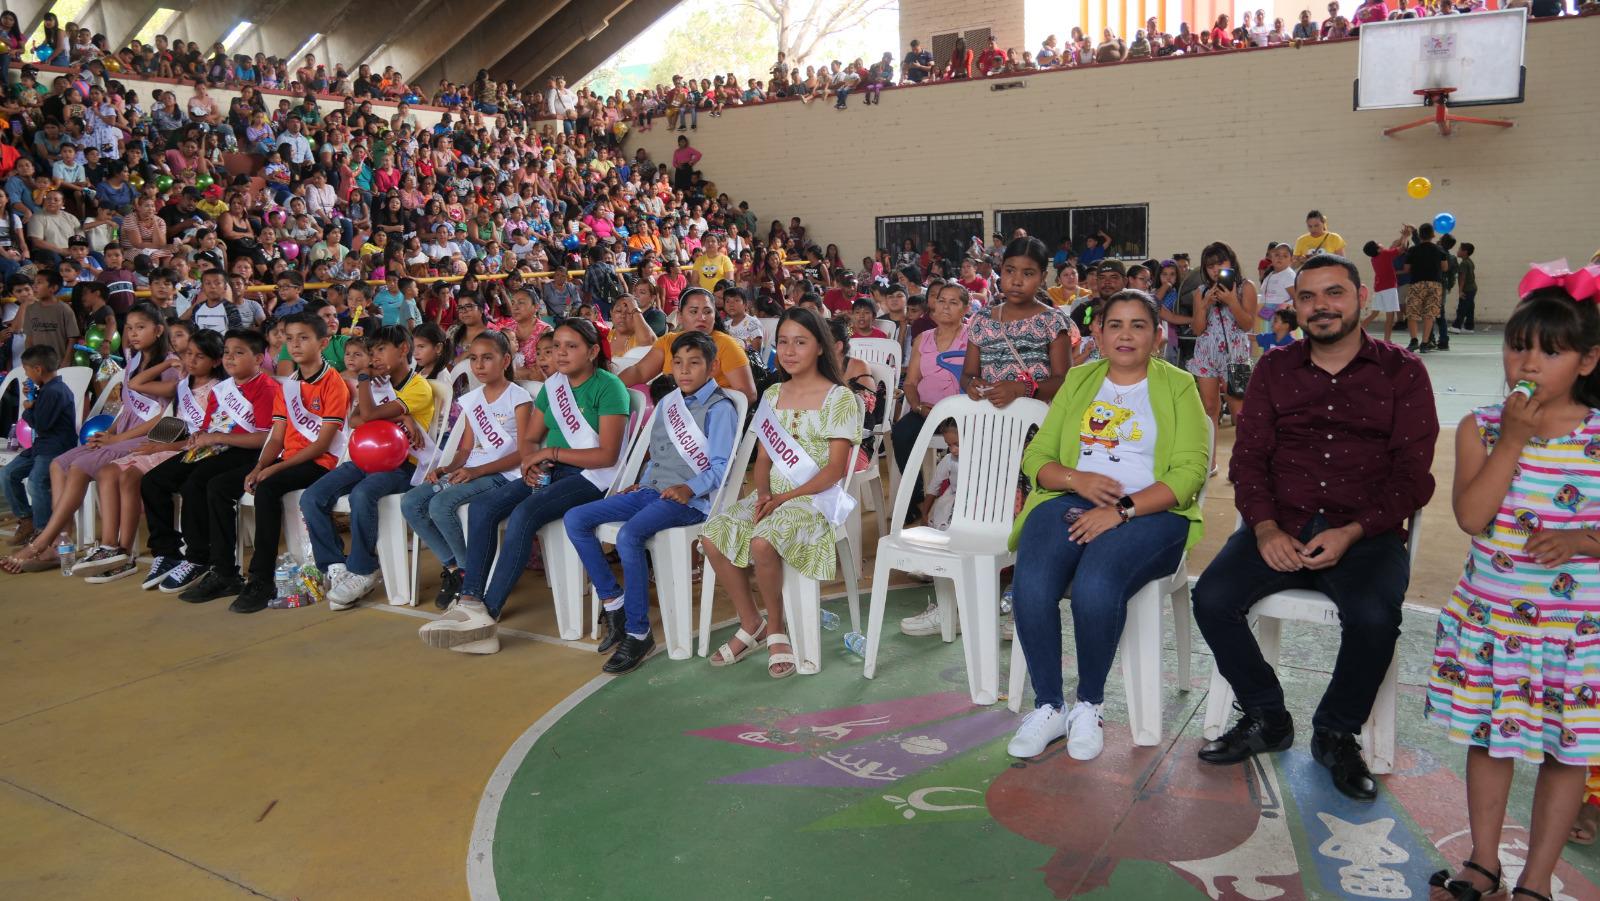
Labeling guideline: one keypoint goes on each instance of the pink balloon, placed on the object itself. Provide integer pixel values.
(24, 434)
(277, 217)
(290, 249)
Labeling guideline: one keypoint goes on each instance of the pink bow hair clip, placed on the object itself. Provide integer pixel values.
(1581, 285)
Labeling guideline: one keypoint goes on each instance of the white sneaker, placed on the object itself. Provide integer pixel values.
(466, 622)
(1041, 727)
(349, 589)
(1086, 734)
(928, 622)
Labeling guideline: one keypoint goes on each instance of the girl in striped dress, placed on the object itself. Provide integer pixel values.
(1516, 665)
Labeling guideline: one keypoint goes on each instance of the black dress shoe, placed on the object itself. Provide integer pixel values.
(1341, 754)
(254, 597)
(630, 654)
(615, 623)
(1251, 735)
(214, 584)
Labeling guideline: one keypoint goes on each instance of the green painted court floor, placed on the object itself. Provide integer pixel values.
(681, 781)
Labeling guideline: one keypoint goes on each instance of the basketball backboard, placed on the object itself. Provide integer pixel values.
(1478, 54)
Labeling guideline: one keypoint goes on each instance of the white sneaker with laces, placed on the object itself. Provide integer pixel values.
(350, 589)
(467, 622)
(928, 622)
(1041, 727)
(1086, 734)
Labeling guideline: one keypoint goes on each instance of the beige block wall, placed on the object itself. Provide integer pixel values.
(1234, 147)
(922, 19)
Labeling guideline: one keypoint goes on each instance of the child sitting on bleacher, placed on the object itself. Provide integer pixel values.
(238, 417)
(305, 443)
(498, 412)
(696, 427)
(49, 411)
(406, 398)
(808, 425)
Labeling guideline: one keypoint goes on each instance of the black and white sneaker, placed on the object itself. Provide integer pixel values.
(182, 576)
(100, 559)
(122, 571)
(159, 570)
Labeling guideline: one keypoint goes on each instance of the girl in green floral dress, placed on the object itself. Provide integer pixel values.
(812, 424)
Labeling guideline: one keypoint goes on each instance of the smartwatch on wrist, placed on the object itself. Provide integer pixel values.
(1125, 507)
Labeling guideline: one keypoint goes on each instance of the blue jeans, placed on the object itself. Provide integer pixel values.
(432, 512)
(524, 511)
(365, 490)
(33, 470)
(643, 513)
(1114, 567)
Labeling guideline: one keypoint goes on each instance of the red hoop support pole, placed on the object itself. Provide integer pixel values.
(1439, 99)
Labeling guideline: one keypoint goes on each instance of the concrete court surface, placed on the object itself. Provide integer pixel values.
(153, 749)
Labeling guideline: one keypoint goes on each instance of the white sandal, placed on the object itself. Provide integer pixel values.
(725, 655)
(777, 658)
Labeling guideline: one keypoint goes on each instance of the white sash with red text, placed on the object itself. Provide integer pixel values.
(789, 458)
(141, 407)
(190, 407)
(486, 431)
(304, 420)
(687, 439)
(576, 429)
(232, 402)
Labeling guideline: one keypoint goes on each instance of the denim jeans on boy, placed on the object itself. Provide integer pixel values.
(1368, 585)
(365, 490)
(1102, 574)
(433, 512)
(1464, 310)
(642, 513)
(525, 511)
(33, 470)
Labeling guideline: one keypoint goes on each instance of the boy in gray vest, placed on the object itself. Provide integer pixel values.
(694, 433)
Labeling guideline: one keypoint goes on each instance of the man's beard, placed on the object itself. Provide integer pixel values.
(1346, 326)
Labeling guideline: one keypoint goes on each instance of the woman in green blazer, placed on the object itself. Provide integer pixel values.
(1117, 469)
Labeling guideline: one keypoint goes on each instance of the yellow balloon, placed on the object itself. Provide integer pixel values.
(1419, 187)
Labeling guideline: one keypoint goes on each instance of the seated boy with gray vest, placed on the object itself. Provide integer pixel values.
(695, 429)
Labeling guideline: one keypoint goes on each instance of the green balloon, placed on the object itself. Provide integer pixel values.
(82, 358)
(203, 181)
(164, 183)
(116, 342)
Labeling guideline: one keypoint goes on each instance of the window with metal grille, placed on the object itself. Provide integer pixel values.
(950, 232)
(943, 45)
(1128, 225)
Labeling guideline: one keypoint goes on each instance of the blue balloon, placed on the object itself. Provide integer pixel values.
(1444, 223)
(95, 426)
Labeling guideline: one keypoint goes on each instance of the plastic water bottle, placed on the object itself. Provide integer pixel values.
(1005, 601)
(283, 577)
(67, 551)
(855, 643)
(830, 620)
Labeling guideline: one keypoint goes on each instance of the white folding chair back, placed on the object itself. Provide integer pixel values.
(632, 356)
(464, 368)
(671, 549)
(769, 333)
(890, 328)
(104, 396)
(877, 350)
(1140, 645)
(965, 559)
(1268, 616)
(77, 379)
(868, 484)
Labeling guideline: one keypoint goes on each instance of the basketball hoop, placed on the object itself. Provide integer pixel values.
(1439, 99)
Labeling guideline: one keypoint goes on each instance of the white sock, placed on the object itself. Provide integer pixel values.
(639, 636)
(613, 604)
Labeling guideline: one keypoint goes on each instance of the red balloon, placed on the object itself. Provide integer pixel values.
(379, 446)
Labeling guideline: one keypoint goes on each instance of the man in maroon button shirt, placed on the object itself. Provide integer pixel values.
(1332, 455)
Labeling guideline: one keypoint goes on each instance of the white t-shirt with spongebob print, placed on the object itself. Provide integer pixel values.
(1117, 436)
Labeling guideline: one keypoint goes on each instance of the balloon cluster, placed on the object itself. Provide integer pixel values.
(1420, 187)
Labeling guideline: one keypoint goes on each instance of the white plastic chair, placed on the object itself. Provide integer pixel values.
(562, 569)
(890, 328)
(1140, 646)
(1304, 605)
(867, 486)
(633, 356)
(878, 350)
(671, 557)
(802, 596)
(965, 559)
